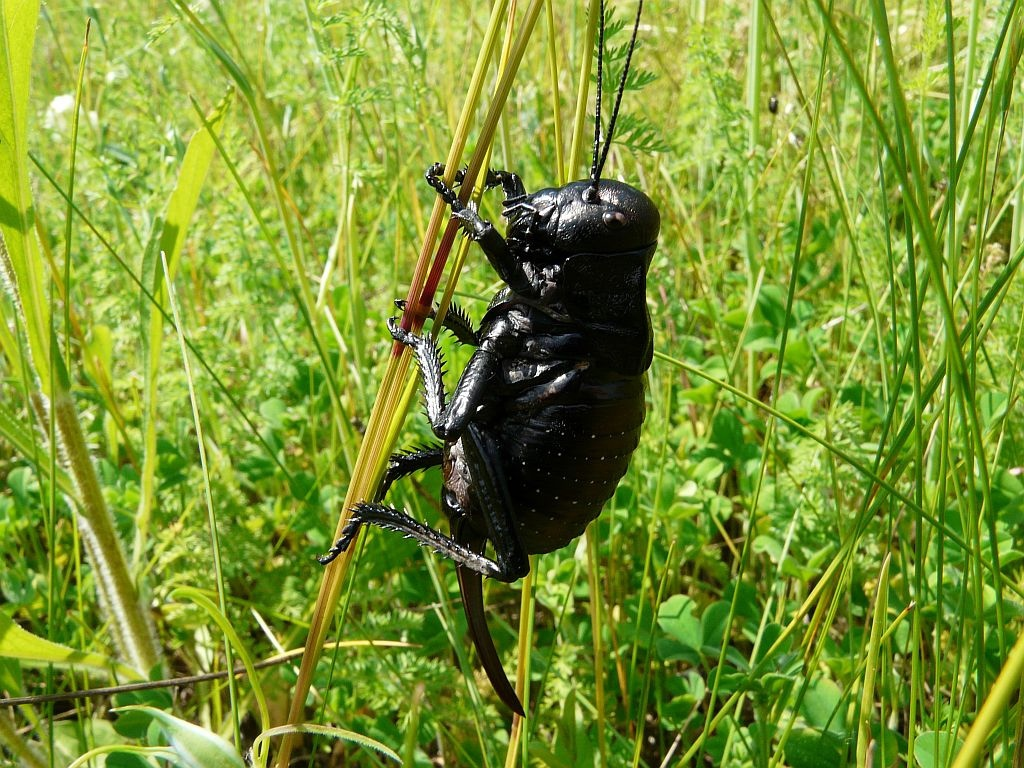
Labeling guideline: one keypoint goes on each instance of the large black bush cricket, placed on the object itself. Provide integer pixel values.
(548, 411)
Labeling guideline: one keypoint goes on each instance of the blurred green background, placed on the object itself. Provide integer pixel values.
(814, 559)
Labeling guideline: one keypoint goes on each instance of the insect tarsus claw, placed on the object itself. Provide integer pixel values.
(433, 177)
(400, 334)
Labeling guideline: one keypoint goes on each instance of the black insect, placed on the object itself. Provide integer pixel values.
(542, 424)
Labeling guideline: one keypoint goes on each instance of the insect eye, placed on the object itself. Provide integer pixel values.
(614, 219)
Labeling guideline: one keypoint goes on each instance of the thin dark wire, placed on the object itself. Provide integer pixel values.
(147, 685)
(622, 87)
(595, 169)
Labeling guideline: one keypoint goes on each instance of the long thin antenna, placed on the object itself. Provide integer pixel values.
(595, 172)
(595, 169)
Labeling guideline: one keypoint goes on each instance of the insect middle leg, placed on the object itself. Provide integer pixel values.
(454, 422)
(482, 231)
(456, 320)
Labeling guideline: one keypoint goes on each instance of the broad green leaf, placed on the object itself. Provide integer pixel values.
(327, 731)
(676, 617)
(807, 748)
(727, 433)
(18, 643)
(820, 706)
(932, 749)
(22, 266)
(195, 747)
(714, 623)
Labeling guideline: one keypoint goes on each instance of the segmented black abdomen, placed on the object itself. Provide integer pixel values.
(564, 461)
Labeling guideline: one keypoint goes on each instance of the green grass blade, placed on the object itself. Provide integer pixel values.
(17, 35)
(169, 238)
(32, 650)
(24, 275)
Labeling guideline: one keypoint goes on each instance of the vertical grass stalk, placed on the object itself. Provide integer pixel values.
(24, 275)
(386, 415)
(211, 512)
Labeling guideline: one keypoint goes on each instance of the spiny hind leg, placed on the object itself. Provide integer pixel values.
(392, 519)
(399, 465)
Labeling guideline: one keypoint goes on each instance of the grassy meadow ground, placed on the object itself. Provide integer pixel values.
(815, 557)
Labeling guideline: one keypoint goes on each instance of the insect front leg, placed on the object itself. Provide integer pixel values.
(482, 231)
(510, 183)
(477, 228)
